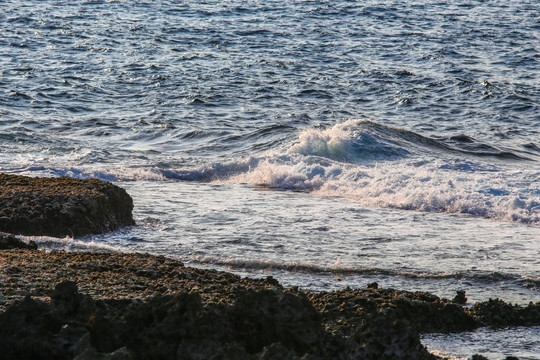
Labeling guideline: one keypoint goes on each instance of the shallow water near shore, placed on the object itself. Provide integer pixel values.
(326, 243)
(328, 144)
(492, 343)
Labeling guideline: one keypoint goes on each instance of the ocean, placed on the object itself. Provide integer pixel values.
(325, 143)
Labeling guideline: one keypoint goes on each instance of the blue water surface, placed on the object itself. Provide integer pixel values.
(326, 143)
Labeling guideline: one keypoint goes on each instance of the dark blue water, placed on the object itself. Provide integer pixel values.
(400, 140)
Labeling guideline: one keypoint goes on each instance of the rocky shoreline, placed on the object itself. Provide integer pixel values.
(82, 305)
(79, 305)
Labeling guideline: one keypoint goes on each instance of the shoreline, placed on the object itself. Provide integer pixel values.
(372, 321)
(109, 305)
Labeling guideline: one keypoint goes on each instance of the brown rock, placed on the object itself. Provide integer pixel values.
(62, 206)
(109, 309)
(344, 310)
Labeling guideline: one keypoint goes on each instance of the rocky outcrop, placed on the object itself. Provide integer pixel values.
(345, 310)
(138, 306)
(498, 313)
(262, 324)
(62, 206)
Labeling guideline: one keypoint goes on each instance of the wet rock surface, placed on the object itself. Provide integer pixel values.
(62, 206)
(135, 306)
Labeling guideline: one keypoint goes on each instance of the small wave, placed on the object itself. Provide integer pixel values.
(354, 142)
(364, 141)
(338, 269)
(470, 146)
(70, 244)
(113, 174)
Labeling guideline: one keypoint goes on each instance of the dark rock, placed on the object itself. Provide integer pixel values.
(460, 297)
(276, 351)
(104, 333)
(343, 310)
(62, 206)
(261, 318)
(387, 338)
(270, 280)
(8, 241)
(66, 298)
(172, 311)
(478, 357)
(259, 324)
(499, 313)
(28, 331)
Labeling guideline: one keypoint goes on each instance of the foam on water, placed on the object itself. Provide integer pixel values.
(377, 168)
(70, 244)
(353, 141)
(369, 163)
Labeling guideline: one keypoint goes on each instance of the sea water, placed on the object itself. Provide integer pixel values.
(325, 143)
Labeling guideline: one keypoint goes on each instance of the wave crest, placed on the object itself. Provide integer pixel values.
(374, 165)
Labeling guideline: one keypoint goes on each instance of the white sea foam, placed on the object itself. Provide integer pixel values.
(334, 162)
(373, 165)
(113, 174)
(354, 141)
(71, 244)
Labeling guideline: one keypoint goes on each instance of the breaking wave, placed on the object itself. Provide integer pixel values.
(374, 165)
(379, 166)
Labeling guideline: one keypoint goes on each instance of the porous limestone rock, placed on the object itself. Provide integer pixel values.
(62, 206)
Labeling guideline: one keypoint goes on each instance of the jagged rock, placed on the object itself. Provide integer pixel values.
(385, 337)
(188, 313)
(28, 332)
(478, 357)
(460, 297)
(66, 298)
(277, 351)
(266, 317)
(259, 324)
(8, 241)
(343, 310)
(499, 313)
(62, 206)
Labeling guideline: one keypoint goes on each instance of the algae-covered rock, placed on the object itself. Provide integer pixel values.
(62, 206)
